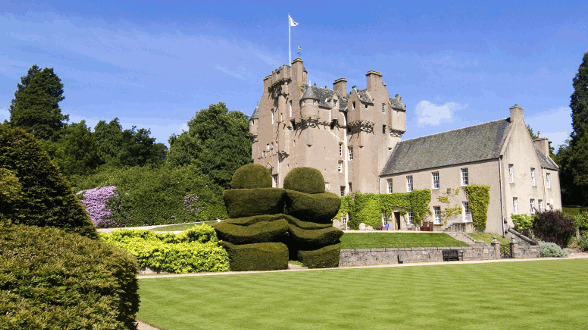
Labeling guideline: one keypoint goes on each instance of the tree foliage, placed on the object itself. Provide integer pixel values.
(217, 142)
(35, 105)
(573, 159)
(47, 198)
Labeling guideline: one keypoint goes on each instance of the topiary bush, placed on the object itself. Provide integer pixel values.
(50, 279)
(10, 191)
(251, 176)
(248, 202)
(307, 238)
(257, 256)
(46, 197)
(324, 257)
(260, 232)
(553, 226)
(552, 250)
(305, 179)
(320, 208)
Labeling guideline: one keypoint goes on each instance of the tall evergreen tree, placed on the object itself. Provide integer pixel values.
(573, 159)
(35, 106)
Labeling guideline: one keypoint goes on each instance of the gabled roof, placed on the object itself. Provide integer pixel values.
(546, 162)
(465, 145)
(397, 104)
(364, 96)
(323, 95)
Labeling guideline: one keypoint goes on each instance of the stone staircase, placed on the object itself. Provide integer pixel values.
(461, 236)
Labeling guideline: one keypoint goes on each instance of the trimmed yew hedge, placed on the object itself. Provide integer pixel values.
(251, 176)
(321, 207)
(46, 198)
(324, 257)
(316, 237)
(267, 231)
(248, 202)
(50, 279)
(245, 221)
(305, 179)
(257, 256)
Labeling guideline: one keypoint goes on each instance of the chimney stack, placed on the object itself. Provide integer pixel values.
(516, 114)
(340, 86)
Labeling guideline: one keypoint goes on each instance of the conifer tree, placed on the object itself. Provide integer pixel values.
(35, 105)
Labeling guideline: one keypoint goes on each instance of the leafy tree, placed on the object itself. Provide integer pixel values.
(573, 159)
(76, 151)
(10, 192)
(35, 105)
(130, 147)
(46, 196)
(217, 142)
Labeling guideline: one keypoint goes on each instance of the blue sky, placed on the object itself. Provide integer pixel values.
(153, 64)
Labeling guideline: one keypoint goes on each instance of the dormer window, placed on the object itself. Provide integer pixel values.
(303, 102)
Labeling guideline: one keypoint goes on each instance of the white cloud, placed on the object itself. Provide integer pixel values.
(554, 124)
(432, 114)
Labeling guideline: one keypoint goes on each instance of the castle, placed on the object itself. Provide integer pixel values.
(354, 139)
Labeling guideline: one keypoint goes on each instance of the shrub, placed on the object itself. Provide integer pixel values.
(251, 176)
(257, 256)
(53, 279)
(158, 195)
(581, 221)
(306, 238)
(10, 191)
(305, 179)
(96, 201)
(583, 242)
(553, 226)
(306, 224)
(522, 221)
(321, 207)
(324, 257)
(46, 196)
(548, 249)
(256, 233)
(245, 221)
(478, 198)
(248, 202)
(196, 250)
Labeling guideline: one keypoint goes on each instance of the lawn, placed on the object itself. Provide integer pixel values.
(183, 226)
(397, 240)
(488, 237)
(526, 295)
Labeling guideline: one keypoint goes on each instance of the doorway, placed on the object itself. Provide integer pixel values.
(396, 220)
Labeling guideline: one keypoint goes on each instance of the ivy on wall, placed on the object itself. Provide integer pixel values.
(368, 208)
(478, 198)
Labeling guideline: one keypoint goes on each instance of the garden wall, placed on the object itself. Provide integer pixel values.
(478, 251)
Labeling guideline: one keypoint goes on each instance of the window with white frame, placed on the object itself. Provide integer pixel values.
(389, 186)
(340, 149)
(340, 166)
(272, 116)
(464, 177)
(532, 206)
(342, 190)
(290, 107)
(548, 180)
(437, 213)
(327, 186)
(435, 180)
(410, 218)
(515, 205)
(350, 188)
(533, 178)
(540, 204)
(511, 173)
(549, 207)
(466, 212)
(409, 183)
(350, 153)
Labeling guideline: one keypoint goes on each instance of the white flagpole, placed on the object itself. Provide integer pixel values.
(289, 52)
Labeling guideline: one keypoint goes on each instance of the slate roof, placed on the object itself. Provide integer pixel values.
(323, 95)
(255, 114)
(397, 104)
(364, 96)
(466, 145)
(546, 162)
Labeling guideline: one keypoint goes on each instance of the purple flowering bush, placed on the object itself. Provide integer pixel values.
(96, 201)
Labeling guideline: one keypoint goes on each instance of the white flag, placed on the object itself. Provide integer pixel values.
(292, 23)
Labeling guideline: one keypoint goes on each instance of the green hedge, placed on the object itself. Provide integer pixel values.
(257, 256)
(325, 257)
(306, 224)
(248, 202)
(315, 238)
(305, 179)
(245, 221)
(260, 232)
(320, 208)
(195, 250)
(50, 279)
(46, 198)
(251, 176)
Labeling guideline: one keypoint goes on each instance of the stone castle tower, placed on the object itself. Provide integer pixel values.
(347, 136)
